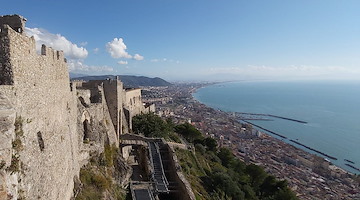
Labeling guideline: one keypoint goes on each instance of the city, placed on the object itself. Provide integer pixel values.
(310, 176)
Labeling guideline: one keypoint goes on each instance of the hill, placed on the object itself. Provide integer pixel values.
(129, 81)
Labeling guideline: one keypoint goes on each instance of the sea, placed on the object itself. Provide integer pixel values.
(330, 108)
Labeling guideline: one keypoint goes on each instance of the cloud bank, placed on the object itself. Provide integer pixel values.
(288, 72)
(80, 67)
(56, 41)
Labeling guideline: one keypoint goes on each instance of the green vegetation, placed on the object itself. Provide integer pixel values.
(218, 174)
(152, 125)
(188, 131)
(17, 143)
(95, 183)
(215, 173)
(18, 127)
(97, 177)
(17, 146)
(15, 164)
(109, 155)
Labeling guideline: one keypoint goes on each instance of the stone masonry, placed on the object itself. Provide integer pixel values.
(49, 125)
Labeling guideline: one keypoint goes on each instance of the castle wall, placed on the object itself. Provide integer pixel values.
(133, 101)
(49, 126)
(100, 123)
(6, 77)
(113, 95)
(132, 104)
(48, 157)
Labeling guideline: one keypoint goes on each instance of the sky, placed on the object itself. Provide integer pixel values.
(200, 40)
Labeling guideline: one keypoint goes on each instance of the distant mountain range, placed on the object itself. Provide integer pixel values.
(129, 81)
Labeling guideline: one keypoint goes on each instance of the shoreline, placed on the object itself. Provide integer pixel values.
(307, 149)
(309, 175)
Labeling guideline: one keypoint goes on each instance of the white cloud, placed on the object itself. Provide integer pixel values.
(122, 62)
(78, 66)
(56, 41)
(154, 60)
(138, 57)
(96, 50)
(117, 48)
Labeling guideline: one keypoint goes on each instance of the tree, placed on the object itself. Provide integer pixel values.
(257, 175)
(188, 131)
(226, 157)
(150, 125)
(210, 144)
(223, 182)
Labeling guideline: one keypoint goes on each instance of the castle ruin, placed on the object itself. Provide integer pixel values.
(49, 125)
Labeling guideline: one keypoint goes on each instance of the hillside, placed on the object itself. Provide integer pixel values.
(212, 171)
(129, 81)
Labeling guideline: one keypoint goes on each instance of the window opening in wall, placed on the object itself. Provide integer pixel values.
(86, 130)
(41, 141)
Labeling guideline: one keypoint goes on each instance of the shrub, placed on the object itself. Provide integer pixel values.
(17, 144)
(18, 127)
(15, 164)
(109, 154)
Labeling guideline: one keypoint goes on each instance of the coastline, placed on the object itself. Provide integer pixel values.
(309, 175)
(333, 168)
(291, 141)
(270, 133)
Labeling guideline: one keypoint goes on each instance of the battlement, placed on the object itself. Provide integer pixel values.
(19, 62)
(51, 53)
(16, 22)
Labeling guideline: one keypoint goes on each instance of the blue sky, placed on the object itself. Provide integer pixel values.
(200, 39)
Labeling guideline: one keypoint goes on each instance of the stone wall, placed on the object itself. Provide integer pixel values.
(49, 126)
(41, 119)
(133, 105)
(113, 91)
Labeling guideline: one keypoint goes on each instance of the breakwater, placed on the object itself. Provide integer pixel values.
(349, 161)
(296, 142)
(242, 114)
(353, 167)
(262, 128)
(312, 149)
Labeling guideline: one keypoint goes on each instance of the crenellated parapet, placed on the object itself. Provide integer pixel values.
(50, 53)
(19, 61)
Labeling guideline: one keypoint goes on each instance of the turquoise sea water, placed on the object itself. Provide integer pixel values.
(332, 110)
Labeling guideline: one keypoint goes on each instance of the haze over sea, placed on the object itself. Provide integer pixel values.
(331, 108)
